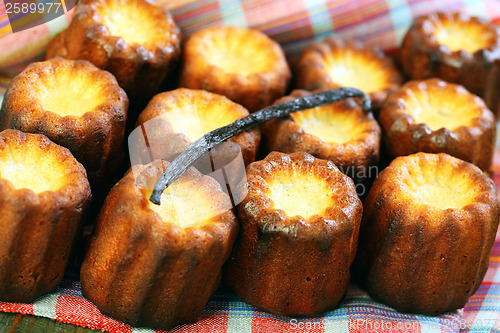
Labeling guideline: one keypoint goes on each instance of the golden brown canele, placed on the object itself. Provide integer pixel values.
(336, 62)
(340, 132)
(456, 48)
(433, 116)
(44, 195)
(429, 224)
(243, 64)
(157, 266)
(74, 104)
(136, 40)
(182, 116)
(299, 226)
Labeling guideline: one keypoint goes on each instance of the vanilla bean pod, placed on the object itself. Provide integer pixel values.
(201, 146)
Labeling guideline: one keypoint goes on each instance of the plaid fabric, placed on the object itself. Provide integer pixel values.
(293, 23)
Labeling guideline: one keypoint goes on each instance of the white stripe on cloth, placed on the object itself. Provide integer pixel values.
(142, 330)
(239, 317)
(233, 14)
(336, 326)
(400, 14)
(477, 8)
(57, 25)
(45, 306)
(320, 18)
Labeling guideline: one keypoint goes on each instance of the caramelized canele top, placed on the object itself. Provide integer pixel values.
(436, 180)
(358, 69)
(196, 112)
(298, 192)
(299, 184)
(439, 104)
(457, 33)
(192, 200)
(31, 161)
(332, 124)
(67, 87)
(238, 50)
(136, 21)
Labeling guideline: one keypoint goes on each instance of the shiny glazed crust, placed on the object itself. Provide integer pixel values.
(311, 72)
(291, 265)
(174, 143)
(147, 272)
(352, 158)
(139, 70)
(403, 136)
(421, 57)
(95, 138)
(418, 259)
(38, 231)
(254, 91)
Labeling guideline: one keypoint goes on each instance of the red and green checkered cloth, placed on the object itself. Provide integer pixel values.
(293, 23)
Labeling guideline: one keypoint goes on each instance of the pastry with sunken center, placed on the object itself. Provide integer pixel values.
(136, 40)
(336, 62)
(456, 48)
(433, 116)
(340, 132)
(243, 64)
(172, 120)
(77, 106)
(429, 224)
(299, 226)
(157, 266)
(44, 195)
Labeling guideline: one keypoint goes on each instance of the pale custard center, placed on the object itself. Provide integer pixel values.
(441, 188)
(300, 194)
(32, 169)
(239, 53)
(433, 108)
(349, 68)
(467, 36)
(70, 93)
(186, 205)
(194, 121)
(329, 124)
(133, 22)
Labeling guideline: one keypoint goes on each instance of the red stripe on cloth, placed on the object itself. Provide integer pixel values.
(212, 324)
(197, 15)
(267, 13)
(22, 308)
(79, 311)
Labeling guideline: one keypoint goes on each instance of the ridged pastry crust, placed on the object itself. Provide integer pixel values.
(136, 40)
(188, 114)
(429, 224)
(44, 195)
(456, 48)
(299, 225)
(74, 104)
(437, 117)
(339, 132)
(157, 266)
(336, 62)
(243, 64)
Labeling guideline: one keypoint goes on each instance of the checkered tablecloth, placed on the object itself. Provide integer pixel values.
(293, 23)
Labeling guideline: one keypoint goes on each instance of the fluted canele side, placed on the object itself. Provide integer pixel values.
(427, 254)
(147, 270)
(40, 223)
(295, 262)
